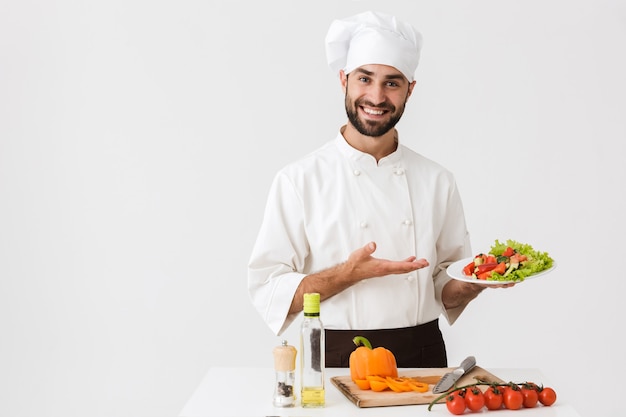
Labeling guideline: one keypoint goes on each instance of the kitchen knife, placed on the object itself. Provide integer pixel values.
(448, 380)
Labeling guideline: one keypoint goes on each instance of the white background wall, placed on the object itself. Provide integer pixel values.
(138, 140)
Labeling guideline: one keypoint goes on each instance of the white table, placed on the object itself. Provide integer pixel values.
(248, 392)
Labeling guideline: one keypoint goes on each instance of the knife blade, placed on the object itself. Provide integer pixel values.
(448, 380)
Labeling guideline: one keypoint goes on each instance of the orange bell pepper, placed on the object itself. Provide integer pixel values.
(365, 361)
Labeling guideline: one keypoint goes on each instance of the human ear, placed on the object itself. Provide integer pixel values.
(343, 77)
(411, 86)
(410, 91)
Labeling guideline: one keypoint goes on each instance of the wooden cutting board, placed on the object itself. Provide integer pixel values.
(368, 398)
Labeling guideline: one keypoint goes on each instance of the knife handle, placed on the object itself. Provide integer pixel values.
(468, 363)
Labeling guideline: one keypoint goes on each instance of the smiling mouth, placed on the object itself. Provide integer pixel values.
(373, 112)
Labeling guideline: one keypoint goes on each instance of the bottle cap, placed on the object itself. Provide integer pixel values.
(312, 303)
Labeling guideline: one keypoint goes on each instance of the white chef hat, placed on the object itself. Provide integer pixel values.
(373, 38)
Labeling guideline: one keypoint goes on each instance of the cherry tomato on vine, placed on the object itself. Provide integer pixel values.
(547, 396)
(531, 397)
(512, 397)
(455, 403)
(493, 398)
(474, 399)
(531, 385)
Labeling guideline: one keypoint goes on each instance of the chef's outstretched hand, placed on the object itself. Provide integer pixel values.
(362, 264)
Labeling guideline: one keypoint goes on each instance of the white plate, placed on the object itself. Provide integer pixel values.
(455, 270)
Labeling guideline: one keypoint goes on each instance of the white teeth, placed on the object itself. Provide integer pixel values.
(374, 112)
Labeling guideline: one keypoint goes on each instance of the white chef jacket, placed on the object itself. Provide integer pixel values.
(336, 200)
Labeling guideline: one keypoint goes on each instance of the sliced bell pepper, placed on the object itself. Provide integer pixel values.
(378, 386)
(418, 386)
(377, 383)
(398, 384)
(486, 267)
(362, 383)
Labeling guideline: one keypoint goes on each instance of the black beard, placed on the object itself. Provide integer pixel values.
(371, 128)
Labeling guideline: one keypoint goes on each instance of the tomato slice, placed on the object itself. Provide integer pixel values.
(469, 269)
(508, 252)
(484, 275)
(501, 268)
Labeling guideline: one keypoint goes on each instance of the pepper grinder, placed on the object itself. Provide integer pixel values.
(285, 366)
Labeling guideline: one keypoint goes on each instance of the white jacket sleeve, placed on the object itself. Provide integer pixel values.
(452, 245)
(280, 251)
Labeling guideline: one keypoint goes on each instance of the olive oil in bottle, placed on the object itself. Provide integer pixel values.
(312, 354)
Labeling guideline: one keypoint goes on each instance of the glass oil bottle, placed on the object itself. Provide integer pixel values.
(312, 354)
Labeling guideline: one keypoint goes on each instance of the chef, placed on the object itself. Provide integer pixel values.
(365, 221)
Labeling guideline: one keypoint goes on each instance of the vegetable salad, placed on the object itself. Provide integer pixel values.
(509, 261)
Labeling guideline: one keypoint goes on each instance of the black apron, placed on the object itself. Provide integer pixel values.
(420, 346)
